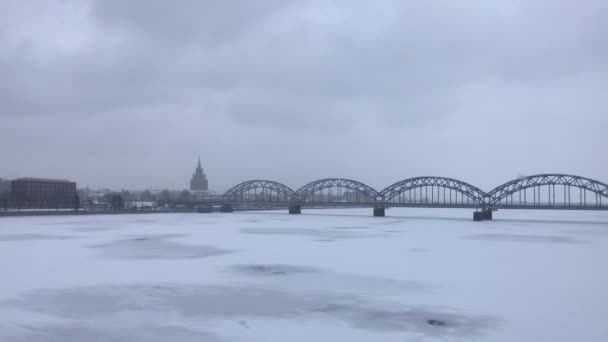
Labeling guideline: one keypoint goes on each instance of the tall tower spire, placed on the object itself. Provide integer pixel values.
(199, 179)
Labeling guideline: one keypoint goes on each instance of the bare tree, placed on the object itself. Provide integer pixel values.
(147, 196)
(185, 196)
(165, 197)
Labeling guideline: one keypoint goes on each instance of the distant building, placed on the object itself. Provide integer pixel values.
(43, 193)
(199, 180)
(5, 185)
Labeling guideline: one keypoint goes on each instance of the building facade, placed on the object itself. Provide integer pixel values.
(199, 179)
(5, 186)
(43, 193)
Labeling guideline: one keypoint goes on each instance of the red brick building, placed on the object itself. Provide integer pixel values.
(43, 193)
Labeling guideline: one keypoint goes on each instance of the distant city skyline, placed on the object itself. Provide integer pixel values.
(198, 181)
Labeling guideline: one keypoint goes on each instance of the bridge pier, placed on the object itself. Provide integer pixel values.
(379, 212)
(295, 209)
(226, 208)
(477, 216)
(483, 215)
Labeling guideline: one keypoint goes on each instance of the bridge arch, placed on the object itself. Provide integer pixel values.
(338, 191)
(443, 192)
(550, 190)
(259, 191)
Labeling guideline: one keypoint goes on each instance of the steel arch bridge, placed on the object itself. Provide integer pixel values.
(542, 191)
(550, 191)
(259, 191)
(414, 192)
(336, 191)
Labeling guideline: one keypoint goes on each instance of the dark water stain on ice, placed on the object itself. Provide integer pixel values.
(33, 237)
(412, 319)
(555, 221)
(85, 332)
(155, 236)
(390, 222)
(189, 301)
(146, 305)
(436, 322)
(525, 238)
(273, 270)
(588, 232)
(394, 231)
(156, 247)
(205, 222)
(281, 231)
(83, 225)
(320, 234)
(70, 223)
(350, 227)
(93, 229)
(146, 221)
(320, 280)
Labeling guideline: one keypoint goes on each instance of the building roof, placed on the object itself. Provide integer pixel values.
(47, 180)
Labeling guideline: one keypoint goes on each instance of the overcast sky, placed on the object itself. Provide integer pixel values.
(128, 94)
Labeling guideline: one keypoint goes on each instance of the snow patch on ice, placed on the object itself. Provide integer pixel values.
(273, 270)
(97, 305)
(156, 247)
(350, 227)
(93, 302)
(93, 229)
(412, 319)
(590, 232)
(525, 238)
(33, 237)
(325, 281)
(320, 234)
(79, 332)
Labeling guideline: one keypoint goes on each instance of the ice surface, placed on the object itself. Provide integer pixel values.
(156, 247)
(328, 275)
(30, 237)
(525, 238)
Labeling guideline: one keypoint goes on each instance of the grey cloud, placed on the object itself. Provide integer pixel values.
(420, 49)
(189, 22)
(343, 77)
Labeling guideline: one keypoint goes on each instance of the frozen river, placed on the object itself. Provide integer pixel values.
(326, 275)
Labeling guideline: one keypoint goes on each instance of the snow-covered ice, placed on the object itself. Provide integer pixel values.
(326, 275)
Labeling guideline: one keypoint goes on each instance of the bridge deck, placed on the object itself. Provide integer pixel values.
(403, 205)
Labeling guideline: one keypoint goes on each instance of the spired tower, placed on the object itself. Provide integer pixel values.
(199, 180)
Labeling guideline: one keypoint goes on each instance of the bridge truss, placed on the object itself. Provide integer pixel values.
(336, 191)
(543, 191)
(259, 192)
(550, 191)
(432, 191)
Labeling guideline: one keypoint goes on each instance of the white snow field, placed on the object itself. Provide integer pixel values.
(325, 275)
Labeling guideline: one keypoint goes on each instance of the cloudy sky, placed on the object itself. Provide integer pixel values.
(127, 94)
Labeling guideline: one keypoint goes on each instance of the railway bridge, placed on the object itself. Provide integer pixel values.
(542, 191)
